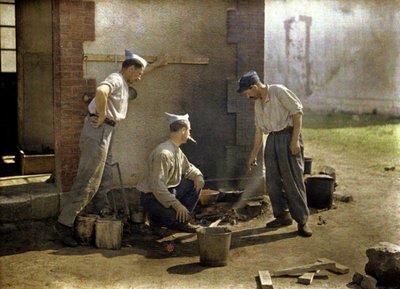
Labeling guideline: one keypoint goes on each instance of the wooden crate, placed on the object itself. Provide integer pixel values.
(36, 163)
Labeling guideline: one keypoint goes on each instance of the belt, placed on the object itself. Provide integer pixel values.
(106, 121)
(285, 130)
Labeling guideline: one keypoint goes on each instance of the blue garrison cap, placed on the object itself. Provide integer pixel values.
(247, 80)
(133, 55)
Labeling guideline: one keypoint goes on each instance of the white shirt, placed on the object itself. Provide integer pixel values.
(117, 102)
(164, 169)
(275, 114)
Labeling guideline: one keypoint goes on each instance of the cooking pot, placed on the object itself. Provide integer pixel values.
(230, 196)
(319, 189)
(208, 197)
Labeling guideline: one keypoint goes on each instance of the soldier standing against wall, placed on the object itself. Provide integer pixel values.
(94, 176)
(278, 113)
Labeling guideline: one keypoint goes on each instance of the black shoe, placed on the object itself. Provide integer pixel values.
(281, 221)
(304, 230)
(66, 235)
(185, 227)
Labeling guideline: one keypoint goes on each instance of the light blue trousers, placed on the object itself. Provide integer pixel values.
(94, 178)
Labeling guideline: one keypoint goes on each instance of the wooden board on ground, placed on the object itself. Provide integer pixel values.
(265, 279)
(306, 278)
(339, 268)
(304, 268)
(317, 275)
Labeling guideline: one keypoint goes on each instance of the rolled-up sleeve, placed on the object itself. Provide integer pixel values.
(290, 101)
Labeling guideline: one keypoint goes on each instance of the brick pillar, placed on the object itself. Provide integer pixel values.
(246, 30)
(73, 23)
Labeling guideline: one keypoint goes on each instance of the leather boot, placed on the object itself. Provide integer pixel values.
(281, 221)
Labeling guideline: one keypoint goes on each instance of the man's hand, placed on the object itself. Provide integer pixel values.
(251, 162)
(182, 214)
(161, 60)
(96, 121)
(294, 147)
(198, 183)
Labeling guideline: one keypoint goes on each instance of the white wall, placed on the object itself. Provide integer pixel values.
(178, 28)
(353, 57)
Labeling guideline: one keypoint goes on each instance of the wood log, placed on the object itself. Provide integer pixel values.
(265, 279)
(339, 268)
(305, 268)
(306, 278)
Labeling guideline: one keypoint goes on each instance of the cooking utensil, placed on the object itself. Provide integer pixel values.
(319, 189)
(229, 195)
(127, 214)
(208, 197)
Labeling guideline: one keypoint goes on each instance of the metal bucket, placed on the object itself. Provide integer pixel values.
(109, 234)
(307, 166)
(319, 189)
(84, 228)
(214, 244)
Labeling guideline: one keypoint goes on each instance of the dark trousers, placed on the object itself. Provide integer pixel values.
(284, 177)
(160, 216)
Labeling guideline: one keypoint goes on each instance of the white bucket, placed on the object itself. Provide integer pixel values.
(84, 228)
(109, 234)
(214, 244)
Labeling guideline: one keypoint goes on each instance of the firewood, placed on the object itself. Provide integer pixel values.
(306, 278)
(265, 279)
(339, 268)
(305, 268)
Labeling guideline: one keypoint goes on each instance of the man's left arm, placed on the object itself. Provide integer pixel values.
(192, 173)
(297, 124)
(161, 61)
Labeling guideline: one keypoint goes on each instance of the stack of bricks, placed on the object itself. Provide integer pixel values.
(73, 23)
(246, 30)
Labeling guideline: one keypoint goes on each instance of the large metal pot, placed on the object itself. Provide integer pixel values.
(319, 189)
(230, 196)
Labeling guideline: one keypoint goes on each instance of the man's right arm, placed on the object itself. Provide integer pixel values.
(102, 93)
(258, 141)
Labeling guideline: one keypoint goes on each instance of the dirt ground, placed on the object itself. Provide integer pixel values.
(33, 258)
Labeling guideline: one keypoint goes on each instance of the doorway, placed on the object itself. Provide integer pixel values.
(8, 90)
(26, 80)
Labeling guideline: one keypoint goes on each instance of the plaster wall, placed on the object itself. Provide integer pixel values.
(177, 28)
(350, 62)
(35, 89)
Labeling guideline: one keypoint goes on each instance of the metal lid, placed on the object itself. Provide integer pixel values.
(320, 176)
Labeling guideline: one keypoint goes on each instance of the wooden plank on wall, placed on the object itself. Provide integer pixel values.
(150, 59)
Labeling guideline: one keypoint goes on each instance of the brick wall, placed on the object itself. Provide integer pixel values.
(73, 23)
(246, 30)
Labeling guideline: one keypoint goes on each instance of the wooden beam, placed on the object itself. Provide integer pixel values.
(265, 279)
(338, 269)
(317, 275)
(306, 278)
(150, 59)
(305, 268)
